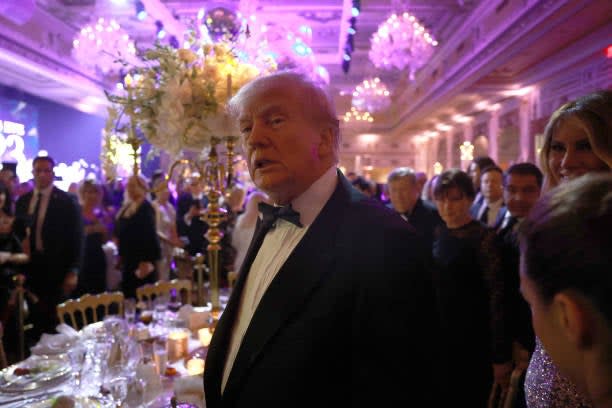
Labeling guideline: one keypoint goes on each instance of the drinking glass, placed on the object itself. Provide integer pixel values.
(129, 310)
(160, 356)
(118, 388)
(160, 306)
(77, 355)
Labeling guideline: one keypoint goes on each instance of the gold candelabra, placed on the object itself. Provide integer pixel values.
(217, 179)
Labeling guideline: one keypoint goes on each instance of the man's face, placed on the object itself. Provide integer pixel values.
(491, 185)
(43, 174)
(521, 193)
(403, 194)
(286, 150)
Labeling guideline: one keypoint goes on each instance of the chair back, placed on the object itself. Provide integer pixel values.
(89, 308)
(150, 291)
(184, 264)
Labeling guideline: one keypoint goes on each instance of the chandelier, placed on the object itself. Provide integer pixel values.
(401, 42)
(371, 95)
(100, 46)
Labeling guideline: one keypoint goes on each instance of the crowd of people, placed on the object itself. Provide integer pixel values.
(462, 280)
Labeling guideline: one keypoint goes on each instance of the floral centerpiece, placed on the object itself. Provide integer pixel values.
(177, 98)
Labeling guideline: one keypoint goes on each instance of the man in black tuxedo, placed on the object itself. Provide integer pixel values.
(49, 222)
(522, 186)
(405, 195)
(190, 206)
(491, 209)
(333, 306)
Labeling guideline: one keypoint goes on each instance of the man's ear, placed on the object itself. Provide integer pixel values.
(326, 144)
(575, 319)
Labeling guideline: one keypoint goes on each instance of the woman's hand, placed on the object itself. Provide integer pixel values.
(144, 269)
(501, 374)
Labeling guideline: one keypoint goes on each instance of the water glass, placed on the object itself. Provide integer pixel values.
(77, 355)
(160, 356)
(129, 310)
(118, 388)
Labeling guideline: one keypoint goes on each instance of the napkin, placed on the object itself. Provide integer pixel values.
(189, 389)
(184, 312)
(56, 343)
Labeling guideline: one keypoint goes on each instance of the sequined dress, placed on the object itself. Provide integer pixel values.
(545, 387)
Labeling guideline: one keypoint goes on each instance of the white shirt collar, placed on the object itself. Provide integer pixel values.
(45, 191)
(310, 203)
(494, 204)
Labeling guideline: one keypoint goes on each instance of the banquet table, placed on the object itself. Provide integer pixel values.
(50, 372)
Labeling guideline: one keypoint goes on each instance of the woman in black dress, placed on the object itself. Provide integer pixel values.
(92, 278)
(138, 244)
(475, 350)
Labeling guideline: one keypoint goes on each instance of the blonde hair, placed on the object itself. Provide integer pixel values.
(593, 113)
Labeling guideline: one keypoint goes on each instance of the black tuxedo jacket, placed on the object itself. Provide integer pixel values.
(426, 220)
(196, 229)
(62, 234)
(520, 326)
(348, 319)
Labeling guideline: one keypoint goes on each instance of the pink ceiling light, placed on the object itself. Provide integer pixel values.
(401, 42)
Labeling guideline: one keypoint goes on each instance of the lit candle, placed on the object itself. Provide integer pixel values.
(195, 366)
(205, 335)
(177, 344)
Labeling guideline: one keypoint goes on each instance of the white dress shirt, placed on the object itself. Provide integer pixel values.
(493, 209)
(42, 211)
(278, 244)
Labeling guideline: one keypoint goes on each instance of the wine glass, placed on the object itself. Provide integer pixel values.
(118, 388)
(129, 310)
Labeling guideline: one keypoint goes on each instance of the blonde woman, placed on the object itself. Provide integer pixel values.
(138, 244)
(577, 141)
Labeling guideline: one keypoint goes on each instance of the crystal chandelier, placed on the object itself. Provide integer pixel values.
(371, 95)
(101, 46)
(401, 42)
(354, 115)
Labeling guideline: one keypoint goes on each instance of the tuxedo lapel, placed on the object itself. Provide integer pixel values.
(217, 351)
(292, 286)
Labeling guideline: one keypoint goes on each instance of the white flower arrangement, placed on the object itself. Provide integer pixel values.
(178, 98)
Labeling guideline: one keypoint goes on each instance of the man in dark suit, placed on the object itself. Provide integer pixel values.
(333, 306)
(491, 208)
(522, 186)
(189, 224)
(49, 222)
(404, 193)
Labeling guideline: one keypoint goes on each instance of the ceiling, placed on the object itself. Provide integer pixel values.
(36, 38)
(328, 19)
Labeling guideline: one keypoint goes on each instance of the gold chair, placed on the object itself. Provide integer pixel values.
(184, 264)
(93, 303)
(150, 291)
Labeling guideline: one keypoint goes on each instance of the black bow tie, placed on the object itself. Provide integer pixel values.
(271, 214)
